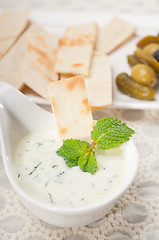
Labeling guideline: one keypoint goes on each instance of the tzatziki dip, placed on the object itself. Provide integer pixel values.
(45, 176)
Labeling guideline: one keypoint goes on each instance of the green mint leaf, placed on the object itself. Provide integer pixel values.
(92, 163)
(71, 150)
(83, 160)
(110, 132)
(87, 162)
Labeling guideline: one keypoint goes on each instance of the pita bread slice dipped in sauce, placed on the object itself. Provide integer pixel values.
(71, 108)
(75, 49)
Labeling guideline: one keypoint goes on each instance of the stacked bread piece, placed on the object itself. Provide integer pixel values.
(33, 57)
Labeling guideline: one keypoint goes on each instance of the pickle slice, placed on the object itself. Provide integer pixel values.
(147, 40)
(134, 89)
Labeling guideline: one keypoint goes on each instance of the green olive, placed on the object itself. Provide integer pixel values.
(151, 48)
(144, 74)
(146, 58)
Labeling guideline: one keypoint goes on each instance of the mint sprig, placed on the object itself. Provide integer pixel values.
(110, 132)
(107, 133)
(87, 162)
(72, 150)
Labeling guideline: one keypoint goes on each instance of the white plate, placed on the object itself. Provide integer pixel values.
(56, 22)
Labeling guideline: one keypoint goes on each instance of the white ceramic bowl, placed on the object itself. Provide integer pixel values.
(18, 117)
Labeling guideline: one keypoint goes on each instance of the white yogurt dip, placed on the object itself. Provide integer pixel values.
(45, 176)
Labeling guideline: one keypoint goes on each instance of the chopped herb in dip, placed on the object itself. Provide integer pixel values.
(56, 183)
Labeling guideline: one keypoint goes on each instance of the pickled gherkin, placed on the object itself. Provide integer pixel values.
(134, 89)
(133, 60)
(147, 40)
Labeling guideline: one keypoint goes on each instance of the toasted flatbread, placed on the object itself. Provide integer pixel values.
(113, 34)
(12, 24)
(39, 61)
(99, 84)
(41, 52)
(16, 69)
(75, 49)
(28, 91)
(11, 65)
(35, 80)
(71, 108)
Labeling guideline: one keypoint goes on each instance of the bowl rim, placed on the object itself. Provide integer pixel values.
(73, 210)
